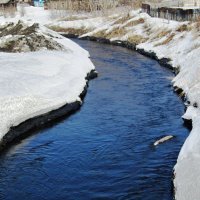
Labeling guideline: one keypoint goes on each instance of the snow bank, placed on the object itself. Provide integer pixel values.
(29, 83)
(183, 51)
(179, 42)
(34, 83)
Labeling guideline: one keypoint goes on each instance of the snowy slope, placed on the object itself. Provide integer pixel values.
(180, 43)
(34, 83)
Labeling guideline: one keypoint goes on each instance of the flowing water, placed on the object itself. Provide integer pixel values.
(104, 151)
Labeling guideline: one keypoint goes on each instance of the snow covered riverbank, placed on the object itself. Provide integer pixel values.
(177, 43)
(41, 71)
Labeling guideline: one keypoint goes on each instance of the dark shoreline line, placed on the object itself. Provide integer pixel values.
(16, 133)
(163, 62)
(41, 122)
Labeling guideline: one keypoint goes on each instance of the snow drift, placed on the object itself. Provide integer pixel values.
(44, 76)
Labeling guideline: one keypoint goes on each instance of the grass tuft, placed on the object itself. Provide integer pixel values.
(136, 39)
(167, 40)
(72, 18)
(122, 20)
(78, 31)
(184, 27)
(134, 23)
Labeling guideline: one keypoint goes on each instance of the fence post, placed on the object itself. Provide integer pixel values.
(168, 16)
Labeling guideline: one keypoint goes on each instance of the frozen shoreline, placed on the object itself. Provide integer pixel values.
(41, 72)
(174, 45)
(45, 119)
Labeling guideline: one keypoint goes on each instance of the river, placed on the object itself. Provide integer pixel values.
(105, 150)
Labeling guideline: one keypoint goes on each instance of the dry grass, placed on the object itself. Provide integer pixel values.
(18, 29)
(135, 22)
(184, 27)
(101, 34)
(74, 31)
(136, 39)
(167, 40)
(197, 23)
(122, 20)
(72, 18)
(161, 34)
(136, 3)
(116, 32)
(81, 5)
(148, 28)
(119, 32)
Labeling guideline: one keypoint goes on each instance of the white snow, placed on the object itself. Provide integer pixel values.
(34, 83)
(184, 53)
(65, 80)
(34, 14)
(182, 47)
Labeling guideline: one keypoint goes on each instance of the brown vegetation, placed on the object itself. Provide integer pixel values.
(9, 11)
(75, 31)
(72, 18)
(116, 32)
(18, 29)
(184, 27)
(197, 23)
(101, 34)
(25, 38)
(122, 20)
(83, 5)
(92, 5)
(161, 34)
(131, 3)
(135, 22)
(167, 40)
(31, 43)
(136, 39)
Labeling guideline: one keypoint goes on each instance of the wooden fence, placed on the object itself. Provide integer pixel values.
(177, 14)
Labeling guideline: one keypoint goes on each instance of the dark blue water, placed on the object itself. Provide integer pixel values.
(105, 150)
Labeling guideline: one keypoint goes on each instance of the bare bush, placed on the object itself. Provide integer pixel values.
(136, 39)
(90, 8)
(91, 5)
(131, 3)
(8, 11)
